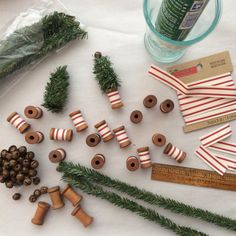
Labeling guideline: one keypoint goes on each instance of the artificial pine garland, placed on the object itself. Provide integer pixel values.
(125, 203)
(33, 42)
(76, 171)
(105, 74)
(56, 91)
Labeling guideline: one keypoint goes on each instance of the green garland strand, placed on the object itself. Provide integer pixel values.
(132, 206)
(104, 73)
(33, 42)
(56, 92)
(76, 170)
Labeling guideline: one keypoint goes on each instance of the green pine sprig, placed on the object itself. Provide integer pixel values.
(76, 171)
(105, 74)
(125, 203)
(33, 42)
(56, 91)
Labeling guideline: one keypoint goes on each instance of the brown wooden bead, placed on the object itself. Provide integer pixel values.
(27, 181)
(150, 101)
(70, 194)
(34, 137)
(26, 163)
(32, 172)
(159, 140)
(9, 184)
(122, 137)
(58, 155)
(18, 122)
(132, 163)
(15, 155)
(56, 198)
(82, 216)
(36, 180)
(78, 121)
(136, 116)
(97, 54)
(44, 190)
(12, 148)
(93, 140)
(37, 193)
(33, 112)
(9, 156)
(2, 179)
(98, 161)
(167, 106)
(32, 198)
(34, 164)
(5, 173)
(104, 131)
(61, 134)
(30, 155)
(16, 196)
(4, 153)
(40, 213)
(22, 150)
(20, 177)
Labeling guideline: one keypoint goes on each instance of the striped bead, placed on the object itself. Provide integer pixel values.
(78, 121)
(122, 137)
(175, 153)
(33, 112)
(144, 156)
(61, 134)
(34, 137)
(18, 122)
(115, 99)
(104, 131)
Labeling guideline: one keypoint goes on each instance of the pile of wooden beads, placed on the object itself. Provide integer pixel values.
(33, 112)
(78, 121)
(34, 137)
(93, 140)
(115, 99)
(18, 167)
(37, 193)
(98, 161)
(18, 122)
(144, 156)
(58, 155)
(61, 134)
(132, 163)
(122, 136)
(175, 153)
(104, 131)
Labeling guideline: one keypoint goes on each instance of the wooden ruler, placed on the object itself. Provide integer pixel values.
(192, 176)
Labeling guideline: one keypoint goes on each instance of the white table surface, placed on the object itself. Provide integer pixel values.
(116, 28)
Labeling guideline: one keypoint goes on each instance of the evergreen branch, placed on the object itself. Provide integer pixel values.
(132, 206)
(33, 42)
(70, 169)
(105, 74)
(56, 92)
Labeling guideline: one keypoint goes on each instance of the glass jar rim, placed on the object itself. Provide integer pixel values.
(218, 9)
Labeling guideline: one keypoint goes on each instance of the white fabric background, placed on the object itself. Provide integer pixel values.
(116, 28)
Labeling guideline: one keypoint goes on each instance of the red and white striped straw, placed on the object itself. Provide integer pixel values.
(229, 162)
(226, 147)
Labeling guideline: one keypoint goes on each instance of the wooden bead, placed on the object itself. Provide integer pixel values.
(174, 153)
(104, 131)
(78, 121)
(132, 163)
(44, 189)
(36, 180)
(167, 106)
(93, 140)
(122, 137)
(34, 137)
(82, 216)
(56, 198)
(18, 122)
(150, 101)
(58, 155)
(115, 99)
(98, 161)
(159, 140)
(136, 116)
(70, 194)
(33, 112)
(16, 196)
(40, 213)
(61, 134)
(97, 54)
(37, 193)
(144, 156)
(32, 198)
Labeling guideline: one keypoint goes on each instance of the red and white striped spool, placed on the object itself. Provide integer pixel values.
(78, 121)
(18, 122)
(104, 131)
(144, 156)
(122, 137)
(33, 112)
(115, 99)
(175, 153)
(61, 134)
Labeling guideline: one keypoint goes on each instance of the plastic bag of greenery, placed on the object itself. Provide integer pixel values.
(35, 33)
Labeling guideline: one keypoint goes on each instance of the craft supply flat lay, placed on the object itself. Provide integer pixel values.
(100, 135)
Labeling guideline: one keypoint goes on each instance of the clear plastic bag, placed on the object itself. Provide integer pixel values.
(45, 27)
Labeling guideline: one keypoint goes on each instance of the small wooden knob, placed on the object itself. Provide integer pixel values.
(82, 216)
(55, 196)
(40, 213)
(70, 194)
